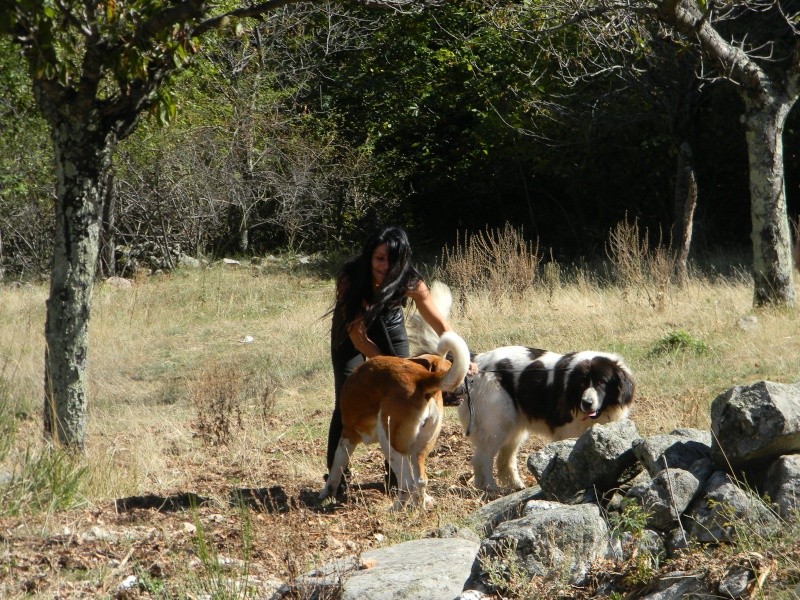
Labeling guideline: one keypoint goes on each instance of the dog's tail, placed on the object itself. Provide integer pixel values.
(422, 339)
(453, 343)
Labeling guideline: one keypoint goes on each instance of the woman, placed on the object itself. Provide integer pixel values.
(371, 291)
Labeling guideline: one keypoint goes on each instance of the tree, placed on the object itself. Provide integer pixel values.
(247, 166)
(754, 44)
(614, 70)
(434, 99)
(95, 69)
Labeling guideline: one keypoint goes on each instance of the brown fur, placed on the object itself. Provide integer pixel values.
(406, 396)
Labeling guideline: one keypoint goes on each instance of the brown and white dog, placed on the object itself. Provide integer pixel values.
(397, 402)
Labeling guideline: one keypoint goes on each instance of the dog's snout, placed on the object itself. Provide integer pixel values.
(590, 401)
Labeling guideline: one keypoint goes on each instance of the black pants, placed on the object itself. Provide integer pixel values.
(392, 340)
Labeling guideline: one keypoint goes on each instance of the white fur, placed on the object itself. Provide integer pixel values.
(452, 342)
(422, 339)
(494, 425)
(496, 428)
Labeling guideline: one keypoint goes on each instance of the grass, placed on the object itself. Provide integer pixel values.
(180, 401)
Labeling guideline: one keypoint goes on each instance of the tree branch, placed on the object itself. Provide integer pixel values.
(734, 62)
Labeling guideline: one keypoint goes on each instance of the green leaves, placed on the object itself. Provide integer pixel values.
(679, 341)
(165, 107)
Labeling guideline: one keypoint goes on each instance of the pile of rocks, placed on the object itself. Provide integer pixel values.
(693, 486)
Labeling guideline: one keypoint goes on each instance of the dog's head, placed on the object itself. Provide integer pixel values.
(599, 383)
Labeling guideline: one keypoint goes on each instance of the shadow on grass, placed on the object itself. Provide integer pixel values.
(174, 503)
(271, 500)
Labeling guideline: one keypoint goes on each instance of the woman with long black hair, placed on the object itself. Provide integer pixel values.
(371, 291)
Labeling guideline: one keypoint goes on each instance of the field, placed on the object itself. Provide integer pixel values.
(210, 396)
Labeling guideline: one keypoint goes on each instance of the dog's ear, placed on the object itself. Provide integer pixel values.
(572, 383)
(430, 362)
(626, 387)
(425, 361)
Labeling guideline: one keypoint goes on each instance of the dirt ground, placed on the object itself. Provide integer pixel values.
(180, 540)
(216, 540)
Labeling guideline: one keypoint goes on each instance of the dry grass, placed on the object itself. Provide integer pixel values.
(501, 262)
(182, 401)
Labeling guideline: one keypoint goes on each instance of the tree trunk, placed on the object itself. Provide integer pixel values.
(772, 258)
(684, 206)
(82, 160)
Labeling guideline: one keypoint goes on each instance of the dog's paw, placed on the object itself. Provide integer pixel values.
(427, 502)
(490, 488)
(512, 484)
(484, 485)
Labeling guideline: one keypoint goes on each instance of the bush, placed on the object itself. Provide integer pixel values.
(502, 262)
(47, 481)
(635, 266)
(679, 341)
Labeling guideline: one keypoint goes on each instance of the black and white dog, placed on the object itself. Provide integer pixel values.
(520, 390)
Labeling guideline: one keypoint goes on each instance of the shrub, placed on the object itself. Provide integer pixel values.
(679, 341)
(47, 481)
(7, 424)
(638, 267)
(499, 261)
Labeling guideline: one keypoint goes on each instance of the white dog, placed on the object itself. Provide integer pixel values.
(520, 390)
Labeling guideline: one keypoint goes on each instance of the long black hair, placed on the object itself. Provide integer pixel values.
(354, 281)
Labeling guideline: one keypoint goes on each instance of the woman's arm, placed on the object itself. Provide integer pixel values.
(427, 308)
(358, 335)
(356, 330)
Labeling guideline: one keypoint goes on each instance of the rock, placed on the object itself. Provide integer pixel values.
(667, 496)
(550, 467)
(783, 484)
(603, 453)
(430, 568)
(188, 262)
(679, 585)
(509, 507)
(723, 507)
(571, 471)
(119, 282)
(679, 449)
(748, 323)
(550, 536)
(734, 583)
(754, 425)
